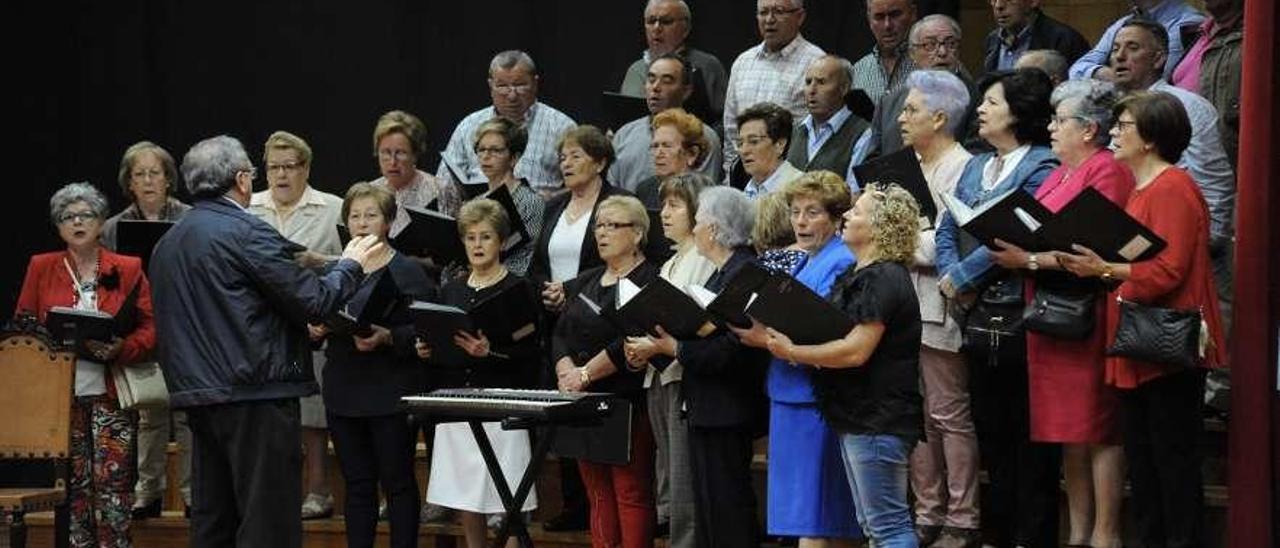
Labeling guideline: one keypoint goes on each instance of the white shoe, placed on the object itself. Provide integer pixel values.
(317, 506)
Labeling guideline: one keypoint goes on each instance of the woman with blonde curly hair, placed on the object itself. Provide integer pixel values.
(867, 383)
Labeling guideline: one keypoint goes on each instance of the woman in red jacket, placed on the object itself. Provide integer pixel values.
(88, 277)
(1161, 402)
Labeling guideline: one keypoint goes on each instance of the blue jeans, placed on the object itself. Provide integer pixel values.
(877, 469)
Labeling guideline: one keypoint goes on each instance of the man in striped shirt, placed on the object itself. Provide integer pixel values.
(513, 87)
(887, 66)
(772, 71)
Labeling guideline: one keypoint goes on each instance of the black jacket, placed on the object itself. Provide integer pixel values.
(723, 383)
(540, 268)
(231, 307)
(1046, 33)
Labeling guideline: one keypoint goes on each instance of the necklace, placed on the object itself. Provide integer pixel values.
(622, 273)
(480, 283)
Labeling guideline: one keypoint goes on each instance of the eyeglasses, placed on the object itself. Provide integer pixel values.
(252, 171)
(661, 21)
(481, 151)
(764, 13)
(752, 141)
(149, 174)
(1121, 125)
(933, 45)
(518, 89)
(397, 155)
(82, 216)
(611, 226)
(288, 167)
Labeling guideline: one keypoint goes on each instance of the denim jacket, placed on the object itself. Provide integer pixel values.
(968, 273)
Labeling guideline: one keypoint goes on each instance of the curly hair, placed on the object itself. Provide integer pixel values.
(772, 228)
(826, 187)
(894, 216)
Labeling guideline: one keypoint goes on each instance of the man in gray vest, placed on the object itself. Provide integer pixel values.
(824, 139)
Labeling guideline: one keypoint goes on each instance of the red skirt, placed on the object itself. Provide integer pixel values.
(1069, 397)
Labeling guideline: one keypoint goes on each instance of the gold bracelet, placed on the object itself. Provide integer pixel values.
(1107, 273)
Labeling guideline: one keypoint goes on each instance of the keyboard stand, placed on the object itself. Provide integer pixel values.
(513, 502)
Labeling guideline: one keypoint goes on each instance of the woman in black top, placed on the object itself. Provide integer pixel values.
(459, 478)
(365, 376)
(867, 384)
(587, 350)
(723, 384)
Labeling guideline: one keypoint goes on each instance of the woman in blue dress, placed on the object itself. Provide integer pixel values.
(808, 494)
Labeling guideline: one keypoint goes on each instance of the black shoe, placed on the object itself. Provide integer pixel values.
(186, 511)
(567, 521)
(150, 510)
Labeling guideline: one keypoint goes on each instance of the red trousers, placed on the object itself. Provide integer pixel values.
(621, 497)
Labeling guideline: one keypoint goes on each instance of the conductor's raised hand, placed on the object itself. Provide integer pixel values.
(369, 251)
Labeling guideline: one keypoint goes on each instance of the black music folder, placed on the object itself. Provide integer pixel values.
(661, 303)
(430, 234)
(520, 236)
(356, 318)
(860, 103)
(901, 168)
(786, 305)
(470, 189)
(1093, 221)
(1015, 217)
(606, 443)
(620, 109)
(730, 304)
(138, 238)
(72, 327)
(506, 317)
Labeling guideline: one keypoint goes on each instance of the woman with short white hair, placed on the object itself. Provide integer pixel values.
(944, 468)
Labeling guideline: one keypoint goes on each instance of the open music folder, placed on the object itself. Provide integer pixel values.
(786, 305)
(1014, 217)
(1094, 221)
(660, 303)
(430, 234)
(356, 318)
(506, 317)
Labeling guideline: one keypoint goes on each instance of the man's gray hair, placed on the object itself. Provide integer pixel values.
(846, 69)
(1093, 102)
(932, 19)
(730, 211)
(942, 92)
(684, 8)
(506, 60)
(77, 192)
(1050, 61)
(799, 4)
(210, 167)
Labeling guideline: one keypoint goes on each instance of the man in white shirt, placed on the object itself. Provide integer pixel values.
(513, 88)
(772, 71)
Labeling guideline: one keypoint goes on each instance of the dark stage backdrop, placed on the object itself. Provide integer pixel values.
(90, 78)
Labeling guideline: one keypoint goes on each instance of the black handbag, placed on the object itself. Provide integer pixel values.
(1061, 313)
(996, 314)
(1158, 335)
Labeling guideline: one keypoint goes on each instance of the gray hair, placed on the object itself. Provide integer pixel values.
(927, 20)
(1050, 61)
(846, 68)
(506, 60)
(943, 92)
(210, 167)
(684, 8)
(730, 211)
(1093, 102)
(74, 193)
(794, 3)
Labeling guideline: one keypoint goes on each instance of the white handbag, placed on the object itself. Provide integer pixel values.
(140, 385)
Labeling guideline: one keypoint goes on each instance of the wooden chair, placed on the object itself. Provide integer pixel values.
(35, 407)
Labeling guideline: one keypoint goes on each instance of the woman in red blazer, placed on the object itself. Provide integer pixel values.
(88, 277)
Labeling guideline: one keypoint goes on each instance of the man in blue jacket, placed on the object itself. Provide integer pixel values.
(231, 309)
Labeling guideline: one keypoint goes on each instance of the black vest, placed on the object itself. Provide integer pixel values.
(833, 155)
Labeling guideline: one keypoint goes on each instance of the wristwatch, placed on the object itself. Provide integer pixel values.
(584, 375)
(1033, 263)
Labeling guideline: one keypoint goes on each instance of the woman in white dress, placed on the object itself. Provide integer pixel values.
(459, 479)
